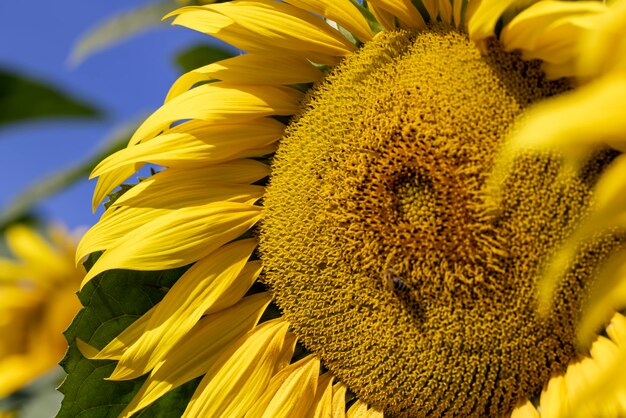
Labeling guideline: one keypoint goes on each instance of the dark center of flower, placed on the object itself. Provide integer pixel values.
(380, 247)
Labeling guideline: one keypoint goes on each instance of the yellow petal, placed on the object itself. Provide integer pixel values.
(386, 19)
(341, 11)
(265, 26)
(593, 386)
(431, 7)
(176, 188)
(358, 410)
(11, 272)
(63, 240)
(339, 400)
(373, 413)
(591, 115)
(525, 411)
(183, 305)
(18, 371)
(551, 31)
(603, 50)
(445, 10)
(116, 347)
(600, 385)
(529, 26)
(238, 287)
(118, 222)
(290, 392)
(178, 238)
(220, 103)
(199, 350)
(109, 181)
(202, 144)
(553, 399)
(189, 193)
(114, 225)
(610, 192)
(483, 19)
(606, 295)
(323, 403)
(286, 354)
(617, 329)
(196, 143)
(241, 374)
(37, 255)
(457, 11)
(404, 10)
(250, 69)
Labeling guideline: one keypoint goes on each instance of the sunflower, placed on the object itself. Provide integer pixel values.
(37, 303)
(404, 180)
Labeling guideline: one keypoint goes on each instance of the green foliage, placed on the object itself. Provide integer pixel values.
(200, 55)
(22, 98)
(112, 301)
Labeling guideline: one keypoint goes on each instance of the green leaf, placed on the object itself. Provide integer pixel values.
(200, 55)
(21, 206)
(112, 301)
(119, 27)
(22, 98)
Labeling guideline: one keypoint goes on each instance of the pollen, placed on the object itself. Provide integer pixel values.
(382, 178)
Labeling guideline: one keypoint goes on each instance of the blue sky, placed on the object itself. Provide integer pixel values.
(126, 81)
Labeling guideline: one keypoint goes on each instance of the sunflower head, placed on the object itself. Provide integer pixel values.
(405, 231)
(383, 176)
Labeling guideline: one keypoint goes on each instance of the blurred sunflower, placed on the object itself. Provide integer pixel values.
(37, 303)
(427, 181)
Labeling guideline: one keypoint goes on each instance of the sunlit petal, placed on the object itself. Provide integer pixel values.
(341, 11)
(198, 350)
(274, 25)
(178, 238)
(405, 11)
(220, 103)
(323, 402)
(482, 20)
(551, 31)
(290, 392)
(250, 69)
(241, 374)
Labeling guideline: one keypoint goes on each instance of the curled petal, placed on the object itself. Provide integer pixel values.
(265, 26)
(323, 402)
(527, 410)
(202, 286)
(118, 222)
(551, 31)
(603, 50)
(196, 143)
(404, 10)
(239, 377)
(178, 238)
(344, 12)
(220, 103)
(290, 392)
(198, 350)
(485, 14)
(339, 400)
(249, 69)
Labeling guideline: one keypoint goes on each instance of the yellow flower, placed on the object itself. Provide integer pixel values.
(425, 227)
(37, 304)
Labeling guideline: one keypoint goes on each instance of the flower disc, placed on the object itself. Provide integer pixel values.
(382, 250)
